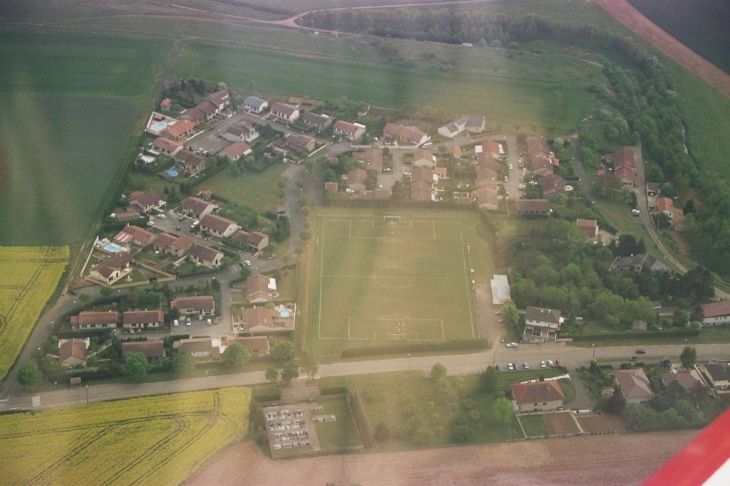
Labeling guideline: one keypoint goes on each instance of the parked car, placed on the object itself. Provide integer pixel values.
(510, 366)
(551, 364)
(498, 368)
(633, 358)
(181, 218)
(641, 351)
(188, 322)
(665, 362)
(543, 364)
(247, 263)
(175, 323)
(512, 345)
(516, 366)
(209, 322)
(162, 216)
(525, 365)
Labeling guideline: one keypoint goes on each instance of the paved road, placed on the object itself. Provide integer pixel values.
(571, 357)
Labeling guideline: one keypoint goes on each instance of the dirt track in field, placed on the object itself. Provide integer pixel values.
(621, 459)
(625, 13)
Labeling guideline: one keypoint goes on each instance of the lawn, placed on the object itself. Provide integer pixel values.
(403, 279)
(533, 425)
(256, 190)
(28, 277)
(161, 440)
(68, 106)
(340, 433)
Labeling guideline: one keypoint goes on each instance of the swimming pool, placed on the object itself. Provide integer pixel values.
(285, 314)
(114, 248)
(172, 172)
(158, 127)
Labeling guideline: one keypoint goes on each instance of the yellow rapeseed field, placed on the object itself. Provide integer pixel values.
(153, 440)
(28, 277)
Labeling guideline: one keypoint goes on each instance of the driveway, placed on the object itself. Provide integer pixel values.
(583, 399)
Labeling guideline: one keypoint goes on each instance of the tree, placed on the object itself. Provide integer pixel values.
(84, 298)
(488, 380)
(290, 371)
(688, 357)
(29, 374)
(382, 432)
(105, 291)
(510, 315)
(272, 374)
(438, 371)
(502, 410)
(283, 351)
(236, 355)
(245, 272)
(309, 365)
(183, 362)
(136, 366)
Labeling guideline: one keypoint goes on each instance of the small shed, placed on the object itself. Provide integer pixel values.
(75, 381)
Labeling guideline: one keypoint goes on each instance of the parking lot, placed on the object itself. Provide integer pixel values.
(291, 427)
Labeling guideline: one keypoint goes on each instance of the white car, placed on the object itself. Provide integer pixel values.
(247, 263)
(162, 216)
(209, 322)
(511, 167)
(510, 366)
(188, 322)
(543, 364)
(512, 345)
(175, 323)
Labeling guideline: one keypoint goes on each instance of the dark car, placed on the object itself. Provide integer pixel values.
(632, 358)
(665, 362)
(641, 351)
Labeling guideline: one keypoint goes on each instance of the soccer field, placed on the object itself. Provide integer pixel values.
(392, 276)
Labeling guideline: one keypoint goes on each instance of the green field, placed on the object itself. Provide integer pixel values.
(533, 425)
(529, 90)
(388, 277)
(68, 108)
(702, 25)
(257, 190)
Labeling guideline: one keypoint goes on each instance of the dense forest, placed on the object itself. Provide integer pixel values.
(641, 92)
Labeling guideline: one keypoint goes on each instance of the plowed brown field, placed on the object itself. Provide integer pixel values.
(621, 459)
(625, 13)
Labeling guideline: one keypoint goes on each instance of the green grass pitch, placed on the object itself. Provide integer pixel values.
(390, 277)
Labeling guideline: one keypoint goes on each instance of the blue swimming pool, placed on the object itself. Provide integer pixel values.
(159, 126)
(172, 172)
(113, 248)
(285, 314)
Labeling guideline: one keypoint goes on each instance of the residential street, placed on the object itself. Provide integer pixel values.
(460, 364)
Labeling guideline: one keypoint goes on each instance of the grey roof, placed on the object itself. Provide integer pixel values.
(254, 101)
(640, 261)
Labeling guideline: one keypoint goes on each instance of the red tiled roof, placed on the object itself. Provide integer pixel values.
(536, 392)
(716, 309)
(216, 223)
(75, 348)
(142, 317)
(180, 128)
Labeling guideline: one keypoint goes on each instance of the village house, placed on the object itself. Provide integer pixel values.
(690, 380)
(181, 246)
(552, 185)
(218, 226)
(351, 131)
(96, 320)
(144, 202)
(455, 151)
(112, 269)
(541, 325)
(538, 396)
(635, 386)
(142, 319)
(72, 352)
(372, 159)
(190, 161)
(300, 143)
(486, 177)
(179, 131)
(236, 150)
(486, 198)
(589, 227)
(424, 158)
(165, 104)
(356, 179)
(410, 135)
(202, 305)
(152, 350)
(540, 164)
(254, 104)
(199, 348)
(254, 240)
(537, 146)
(205, 256)
(134, 235)
(163, 241)
(263, 319)
(423, 182)
(331, 186)
(196, 208)
(284, 111)
(715, 313)
(320, 122)
(638, 263)
(471, 124)
(717, 374)
(158, 123)
(243, 132)
(622, 161)
(665, 206)
(197, 114)
(258, 346)
(220, 99)
(167, 147)
(260, 289)
(532, 207)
